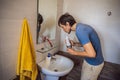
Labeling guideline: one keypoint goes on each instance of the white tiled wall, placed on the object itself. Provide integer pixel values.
(12, 13)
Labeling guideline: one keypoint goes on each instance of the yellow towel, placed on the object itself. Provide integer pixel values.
(26, 65)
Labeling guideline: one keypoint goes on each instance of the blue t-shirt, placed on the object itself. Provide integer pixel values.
(85, 34)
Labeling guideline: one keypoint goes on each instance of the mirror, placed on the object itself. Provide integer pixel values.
(46, 23)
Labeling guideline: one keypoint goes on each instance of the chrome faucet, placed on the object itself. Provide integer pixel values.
(53, 58)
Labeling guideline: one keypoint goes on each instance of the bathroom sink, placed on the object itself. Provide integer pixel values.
(59, 66)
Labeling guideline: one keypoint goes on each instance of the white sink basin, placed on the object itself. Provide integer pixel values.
(59, 66)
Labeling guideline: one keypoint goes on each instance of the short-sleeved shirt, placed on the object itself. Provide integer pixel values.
(86, 34)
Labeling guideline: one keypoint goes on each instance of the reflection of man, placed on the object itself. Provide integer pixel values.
(87, 36)
(40, 20)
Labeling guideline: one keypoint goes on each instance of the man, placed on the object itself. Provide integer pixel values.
(88, 38)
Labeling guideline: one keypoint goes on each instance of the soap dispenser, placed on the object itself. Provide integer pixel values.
(48, 59)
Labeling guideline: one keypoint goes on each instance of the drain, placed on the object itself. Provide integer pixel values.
(55, 70)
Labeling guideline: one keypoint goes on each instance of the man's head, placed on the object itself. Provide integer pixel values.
(66, 21)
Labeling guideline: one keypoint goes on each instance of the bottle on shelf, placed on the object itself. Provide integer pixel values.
(48, 59)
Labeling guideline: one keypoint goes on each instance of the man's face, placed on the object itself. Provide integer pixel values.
(66, 27)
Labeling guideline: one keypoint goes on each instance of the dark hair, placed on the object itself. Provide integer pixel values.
(40, 18)
(66, 18)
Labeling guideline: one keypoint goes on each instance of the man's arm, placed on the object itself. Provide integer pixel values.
(88, 51)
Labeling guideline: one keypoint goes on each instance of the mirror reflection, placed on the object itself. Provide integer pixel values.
(46, 27)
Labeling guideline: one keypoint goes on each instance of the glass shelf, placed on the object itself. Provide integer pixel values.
(43, 50)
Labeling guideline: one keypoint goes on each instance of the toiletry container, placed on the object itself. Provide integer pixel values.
(48, 59)
(68, 44)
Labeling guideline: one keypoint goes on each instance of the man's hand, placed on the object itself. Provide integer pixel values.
(72, 42)
(71, 51)
(75, 43)
(88, 52)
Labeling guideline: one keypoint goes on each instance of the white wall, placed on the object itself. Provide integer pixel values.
(94, 13)
(12, 13)
(59, 12)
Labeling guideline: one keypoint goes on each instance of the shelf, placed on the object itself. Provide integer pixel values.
(43, 50)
